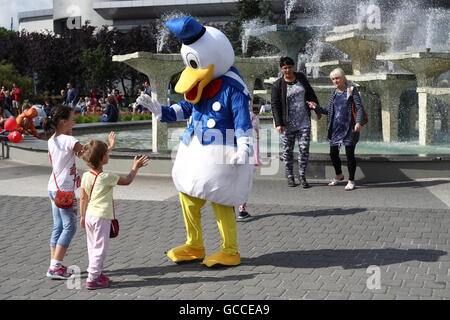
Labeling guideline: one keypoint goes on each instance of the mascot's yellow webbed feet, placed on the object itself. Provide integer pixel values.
(224, 259)
(185, 253)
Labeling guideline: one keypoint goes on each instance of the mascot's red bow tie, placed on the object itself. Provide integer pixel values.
(212, 89)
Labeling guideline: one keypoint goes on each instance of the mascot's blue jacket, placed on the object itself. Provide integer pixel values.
(221, 119)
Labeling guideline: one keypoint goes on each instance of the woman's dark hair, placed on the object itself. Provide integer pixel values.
(59, 113)
(111, 99)
(286, 61)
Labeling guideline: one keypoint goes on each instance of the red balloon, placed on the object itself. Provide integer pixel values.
(15, 137)
(10, 124)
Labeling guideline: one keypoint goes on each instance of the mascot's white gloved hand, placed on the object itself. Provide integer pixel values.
(150, 103)
(243, 151)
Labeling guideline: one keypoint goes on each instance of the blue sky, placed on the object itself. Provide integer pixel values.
(10, 8)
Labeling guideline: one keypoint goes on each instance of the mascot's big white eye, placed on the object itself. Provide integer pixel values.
(192, 61)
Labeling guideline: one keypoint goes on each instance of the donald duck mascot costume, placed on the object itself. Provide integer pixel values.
(212, 162)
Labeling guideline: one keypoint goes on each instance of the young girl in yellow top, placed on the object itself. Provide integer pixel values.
(97, 191)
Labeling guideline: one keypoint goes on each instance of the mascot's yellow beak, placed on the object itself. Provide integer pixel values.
(193, 81)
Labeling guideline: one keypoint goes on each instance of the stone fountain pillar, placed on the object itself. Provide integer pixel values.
(251, 68)
(289, 39)
(327, 66)
(426, 111)
(361, 46)
(159, 68)
(427, 66)
(389, 86)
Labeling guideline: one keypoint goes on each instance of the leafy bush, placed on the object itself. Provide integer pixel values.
(87, 118)
(8, 76)
(124, 116)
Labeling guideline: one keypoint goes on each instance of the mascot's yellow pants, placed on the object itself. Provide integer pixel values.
(194, 247)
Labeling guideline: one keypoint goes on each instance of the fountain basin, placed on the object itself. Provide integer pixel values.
(389, 87)
(327, 66)
(289, 39)
(361, 46)
(371, 167)
(427, 66)
(441, 93)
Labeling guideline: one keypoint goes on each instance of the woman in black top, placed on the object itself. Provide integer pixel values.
(111, 113)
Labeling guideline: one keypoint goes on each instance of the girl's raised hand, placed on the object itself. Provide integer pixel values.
(140, 162)
(111, 140)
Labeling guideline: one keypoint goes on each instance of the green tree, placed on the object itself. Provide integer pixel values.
(8, 76)
(101, 71)
(248, 10)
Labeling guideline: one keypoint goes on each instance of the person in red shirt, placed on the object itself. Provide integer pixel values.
(15, 93)
(118, 98)
(2, 96)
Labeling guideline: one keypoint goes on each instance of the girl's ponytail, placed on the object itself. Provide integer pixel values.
(51, 123)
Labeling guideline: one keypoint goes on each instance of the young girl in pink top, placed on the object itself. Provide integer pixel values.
(97, 207)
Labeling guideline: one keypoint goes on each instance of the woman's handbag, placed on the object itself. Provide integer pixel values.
(355, 111)
(63, 199)
(114, 231)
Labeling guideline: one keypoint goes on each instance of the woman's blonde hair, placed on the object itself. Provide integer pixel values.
(93, 153)
(338, 72)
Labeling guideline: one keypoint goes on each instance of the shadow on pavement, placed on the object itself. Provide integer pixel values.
(312, 213)
(151, 276)
(348, 259)
(153, 282)
(408, 184)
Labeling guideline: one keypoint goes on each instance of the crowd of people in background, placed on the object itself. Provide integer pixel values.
(106, 104)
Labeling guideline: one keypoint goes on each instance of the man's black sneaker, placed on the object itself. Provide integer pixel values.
(242, 215)
(305, 184)
(291, 182)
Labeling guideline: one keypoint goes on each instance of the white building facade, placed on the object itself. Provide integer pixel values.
(123, 14)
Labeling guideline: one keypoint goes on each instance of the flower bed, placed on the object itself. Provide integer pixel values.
(123, 116)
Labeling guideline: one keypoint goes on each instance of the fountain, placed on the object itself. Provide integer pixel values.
(159, 68)
(427, 66)
(372, 67)
(397, 54)
(289, 39)
(363, 45)
(426, 54)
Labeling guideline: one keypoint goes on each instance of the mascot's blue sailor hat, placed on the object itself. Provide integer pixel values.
(189, 30)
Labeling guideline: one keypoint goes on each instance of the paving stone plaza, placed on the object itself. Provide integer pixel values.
(379, 242)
